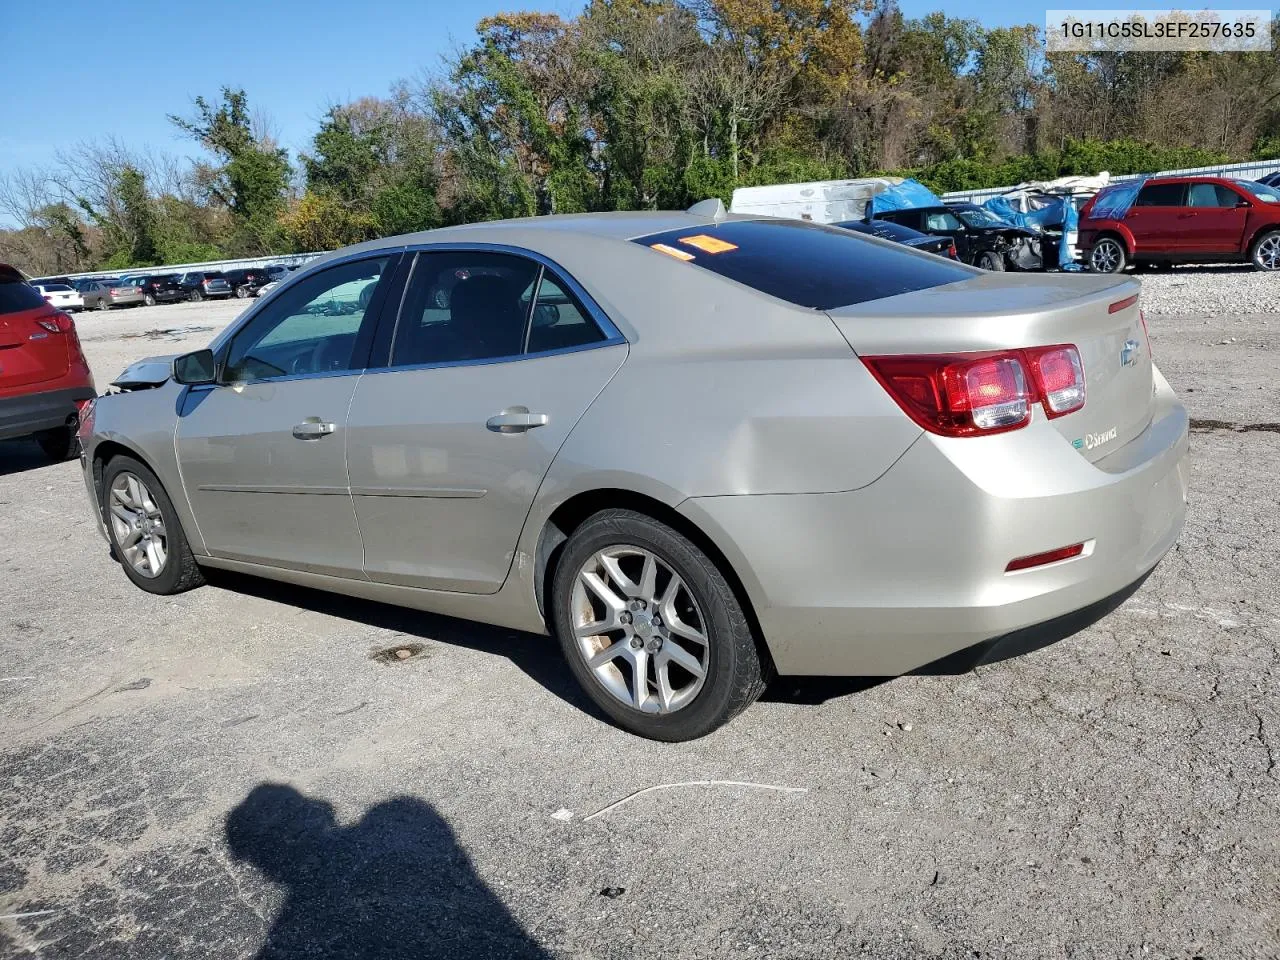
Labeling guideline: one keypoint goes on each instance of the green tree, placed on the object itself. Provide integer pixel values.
(252, 174)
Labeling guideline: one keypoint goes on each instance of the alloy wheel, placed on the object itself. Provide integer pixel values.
(137, 525)
(1106, 256)
(639, 629)
(1268, 255)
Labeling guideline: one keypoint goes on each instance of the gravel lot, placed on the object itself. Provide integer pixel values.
(241, 771)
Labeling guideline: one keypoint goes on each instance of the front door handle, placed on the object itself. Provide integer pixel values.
(312, 429)
(516, 420)
(1185, 216)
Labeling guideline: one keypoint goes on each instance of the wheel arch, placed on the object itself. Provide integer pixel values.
(1258, 233)
(574, 511)
(105, 451)
(1117, 233)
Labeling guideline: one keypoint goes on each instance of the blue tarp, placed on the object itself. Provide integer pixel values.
(908, 195)
(1114, 202)
(1062, 212)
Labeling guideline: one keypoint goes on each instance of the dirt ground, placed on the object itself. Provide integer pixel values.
(244, 770)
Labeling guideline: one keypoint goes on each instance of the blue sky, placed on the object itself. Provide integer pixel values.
(148, 58)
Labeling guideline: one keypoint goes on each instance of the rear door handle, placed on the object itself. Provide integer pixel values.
(516, 420)
(312, 429)
(1185, 216)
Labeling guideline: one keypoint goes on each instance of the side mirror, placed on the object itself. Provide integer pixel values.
(193, 369)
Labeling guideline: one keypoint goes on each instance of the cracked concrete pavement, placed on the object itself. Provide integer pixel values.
(237, 772)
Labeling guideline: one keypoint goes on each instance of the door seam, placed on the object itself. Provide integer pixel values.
(346, 469)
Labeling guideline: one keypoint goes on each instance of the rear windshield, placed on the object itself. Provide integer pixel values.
(214, 276)
(16, 295)
(803, 263)
(59, 287)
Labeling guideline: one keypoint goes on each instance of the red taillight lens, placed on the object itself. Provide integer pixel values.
(957, 395)
(58, 323)
(86, 411)
(968, 394)
(951, 252)
(992, 392)
(1058, 374)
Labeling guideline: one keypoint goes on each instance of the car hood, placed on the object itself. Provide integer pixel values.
(145, 373)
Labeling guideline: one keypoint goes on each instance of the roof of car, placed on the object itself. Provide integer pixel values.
(621, 226)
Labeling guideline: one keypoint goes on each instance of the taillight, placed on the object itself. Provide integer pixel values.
(1060, 377)
(85, 409)
(951, 252)
(58, 323)
(969, 394)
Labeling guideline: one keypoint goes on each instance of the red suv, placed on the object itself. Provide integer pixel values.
(1182, 220)
(44, 377)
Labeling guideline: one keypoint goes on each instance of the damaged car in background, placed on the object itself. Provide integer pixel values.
(989, 243)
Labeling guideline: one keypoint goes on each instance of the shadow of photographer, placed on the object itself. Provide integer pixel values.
(393, 885)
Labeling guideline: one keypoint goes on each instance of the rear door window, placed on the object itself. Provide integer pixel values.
(465, 305)
(1210, 195)
(1161, 195)
(805, 264)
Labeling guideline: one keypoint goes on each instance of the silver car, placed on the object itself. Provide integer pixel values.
(110, 292)
(698, 449)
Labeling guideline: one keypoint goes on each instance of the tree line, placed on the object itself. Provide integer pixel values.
(645, 104)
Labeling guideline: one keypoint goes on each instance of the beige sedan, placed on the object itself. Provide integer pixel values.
(105, 294)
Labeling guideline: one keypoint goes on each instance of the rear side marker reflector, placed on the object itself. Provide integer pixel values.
(1124, 304)
(1040, 559)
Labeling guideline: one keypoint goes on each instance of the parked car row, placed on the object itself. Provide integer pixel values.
(148, 289)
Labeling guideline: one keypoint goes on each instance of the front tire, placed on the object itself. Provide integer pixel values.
(145, 532)
(651, 628)
(103, 305)
(1108, 255)
(1265, 254)
(990, 260)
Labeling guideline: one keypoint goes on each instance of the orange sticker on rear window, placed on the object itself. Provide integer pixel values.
(708, 244)
(671, 251)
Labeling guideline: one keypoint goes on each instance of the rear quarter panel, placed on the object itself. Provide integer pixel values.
(725, 391)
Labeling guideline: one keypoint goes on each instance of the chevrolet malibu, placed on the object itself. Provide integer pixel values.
(700, 450)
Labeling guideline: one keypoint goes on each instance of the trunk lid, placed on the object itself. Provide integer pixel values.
(28, 352)
(1099, 315)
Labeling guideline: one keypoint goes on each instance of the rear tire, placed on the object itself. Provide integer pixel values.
(1265, 254)
(676, 703)
(242, 293)
(196, 296)
(102, 304)
(149, 512)
(1108, 255)
(149, 300)
(57, 443)
(990, 260)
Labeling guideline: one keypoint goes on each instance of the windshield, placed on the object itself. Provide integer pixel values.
(1259, 190)
(978, 217)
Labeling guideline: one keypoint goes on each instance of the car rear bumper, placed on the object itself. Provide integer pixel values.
(25, 414)
(125, 301)
(910, 569)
